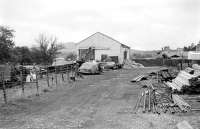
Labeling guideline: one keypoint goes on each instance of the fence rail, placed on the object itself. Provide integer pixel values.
(164, 62)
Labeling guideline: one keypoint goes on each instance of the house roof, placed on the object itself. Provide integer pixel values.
(174, 54)
(104, 36)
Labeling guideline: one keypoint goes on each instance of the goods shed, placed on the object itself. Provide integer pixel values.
(100, 46)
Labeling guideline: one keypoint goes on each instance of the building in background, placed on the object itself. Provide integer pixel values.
(198, 47)
(100, 46)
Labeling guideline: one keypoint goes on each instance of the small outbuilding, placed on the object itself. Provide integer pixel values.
(194, 55)
(100, 46)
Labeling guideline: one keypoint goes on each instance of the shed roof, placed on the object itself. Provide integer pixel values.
(99, 33)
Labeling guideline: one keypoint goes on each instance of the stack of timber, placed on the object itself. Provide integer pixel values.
(186, 82)
(152, 101)
(139, 78)
(132, 64)
(166, 76)
(194, 87)
(196, 68)
(183, 82)
(189, 70)
(182, 79)
(158, 98)
(183, 105)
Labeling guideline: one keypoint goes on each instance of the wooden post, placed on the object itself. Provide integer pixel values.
(4, 88)
(21, 76)
(182, 63)
(149, 100)
(56, 76)
(144, 102)
(68, 78)
(163, 61)
(157, 76)
(47, 77)
(37, 86)
(140, 95)
(62, 77)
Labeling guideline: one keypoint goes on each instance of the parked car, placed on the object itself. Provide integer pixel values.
(108, 65)
(90, 68)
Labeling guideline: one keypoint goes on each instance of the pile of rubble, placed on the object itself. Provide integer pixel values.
(132, 64)
(187, 81)
(182, 79)
(157, 92)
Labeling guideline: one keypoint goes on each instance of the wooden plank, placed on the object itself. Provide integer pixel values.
(140, 95)
(184, 125)
(149, 100)
(144, 102)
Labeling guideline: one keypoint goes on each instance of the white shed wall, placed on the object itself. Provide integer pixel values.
(103, 45)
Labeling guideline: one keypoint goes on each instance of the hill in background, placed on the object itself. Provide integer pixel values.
(69, 47)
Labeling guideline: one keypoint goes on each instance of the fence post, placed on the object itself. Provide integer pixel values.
(157, 77)
(37, 86)
(21, 76)
(4, 88)
(68, 71)
(56, 76)
(47, 77)
(62, 77)
(181, 64)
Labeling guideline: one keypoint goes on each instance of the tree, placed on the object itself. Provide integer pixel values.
(71, 56)
(6, 43)
(191, 47)
(46, 50)
(22, 55)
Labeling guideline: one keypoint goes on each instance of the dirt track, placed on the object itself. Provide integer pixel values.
(97, 102)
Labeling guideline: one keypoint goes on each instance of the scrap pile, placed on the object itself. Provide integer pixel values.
(183, 79)
(139, 78)
(166, 76)
(196, 69)
(132, 64)
(187, 81)
(159, 100)
(157, 96)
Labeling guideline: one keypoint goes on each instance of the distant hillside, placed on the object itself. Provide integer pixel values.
(135, 54)
(69, 47)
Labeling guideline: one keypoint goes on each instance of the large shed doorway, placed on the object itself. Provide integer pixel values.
(125, 55)
(87, 54)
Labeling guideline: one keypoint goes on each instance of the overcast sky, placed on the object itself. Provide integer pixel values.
(141, 24)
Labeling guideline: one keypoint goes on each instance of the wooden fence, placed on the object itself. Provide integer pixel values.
(179, 63)
(50, 77)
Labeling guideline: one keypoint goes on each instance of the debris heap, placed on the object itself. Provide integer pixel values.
(157, 92)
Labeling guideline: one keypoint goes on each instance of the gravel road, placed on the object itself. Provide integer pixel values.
(103, 101)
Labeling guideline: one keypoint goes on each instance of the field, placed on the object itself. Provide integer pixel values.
(103, 101)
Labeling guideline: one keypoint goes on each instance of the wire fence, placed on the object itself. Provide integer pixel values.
(179, 63)
(34, 82)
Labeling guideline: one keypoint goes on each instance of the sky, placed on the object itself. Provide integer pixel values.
(140, 24)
